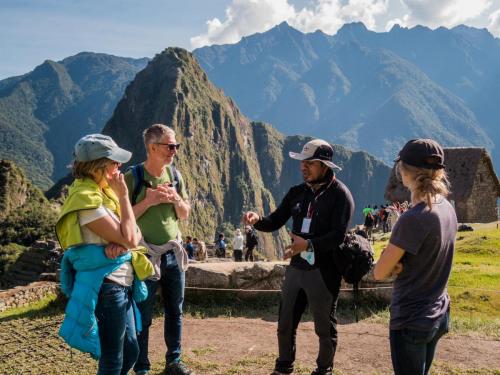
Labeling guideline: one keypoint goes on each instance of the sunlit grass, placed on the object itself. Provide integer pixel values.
(474, 284)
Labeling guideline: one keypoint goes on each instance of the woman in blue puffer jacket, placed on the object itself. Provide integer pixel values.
(99, 274)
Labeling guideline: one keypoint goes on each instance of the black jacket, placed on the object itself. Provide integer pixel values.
(332, 212)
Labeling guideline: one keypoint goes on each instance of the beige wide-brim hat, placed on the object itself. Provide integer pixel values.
(317, 149)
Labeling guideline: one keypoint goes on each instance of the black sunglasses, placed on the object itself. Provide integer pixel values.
(171, 146)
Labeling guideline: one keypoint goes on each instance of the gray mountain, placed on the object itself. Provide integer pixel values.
(44, 112)
(229, 164)
(369, 91)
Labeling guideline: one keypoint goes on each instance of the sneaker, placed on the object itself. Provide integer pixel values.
(327, 371)
(177, 368)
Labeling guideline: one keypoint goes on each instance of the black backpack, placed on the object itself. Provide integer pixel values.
(139, 181)
(354, 260)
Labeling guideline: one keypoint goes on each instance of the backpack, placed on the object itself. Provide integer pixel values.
(138, 173)
(369, 220)
(356, 260)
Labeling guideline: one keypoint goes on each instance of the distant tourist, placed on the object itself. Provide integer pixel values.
(393, 215)
(200, 250)
(420, 253)
(160, 202)
(321, 209)
(238, 242)
(220, 246)
(369, 224)
(384, 216)
(251, 242)
(189, 247)
(368, 209)
(97, 229)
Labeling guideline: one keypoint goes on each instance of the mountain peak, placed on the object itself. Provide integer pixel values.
(353, 27)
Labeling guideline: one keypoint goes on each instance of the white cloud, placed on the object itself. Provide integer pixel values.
(494, 25)
(245, 17)
(447, 13)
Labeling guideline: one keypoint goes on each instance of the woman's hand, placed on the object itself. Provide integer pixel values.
(114, 250)
(117, 182)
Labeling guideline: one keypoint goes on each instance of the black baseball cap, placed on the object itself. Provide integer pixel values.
(422, 153)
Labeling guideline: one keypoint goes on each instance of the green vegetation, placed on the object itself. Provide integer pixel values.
(43, 113)
(8, 255)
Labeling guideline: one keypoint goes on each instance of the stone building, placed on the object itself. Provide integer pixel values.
(475, 188)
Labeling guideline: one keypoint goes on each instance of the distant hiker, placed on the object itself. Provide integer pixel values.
(189, 247)
(251, 242)
(200, 250)
(420, 252)
(99, 272)
(220, 246)
(160, 200)
(321, 209)
(238, 241)
(393, 215)
(368, 209)
(375, 212)
(384, 216)
(369, 223)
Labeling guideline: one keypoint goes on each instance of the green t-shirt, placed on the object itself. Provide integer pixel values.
(367, 210)
(159, 223)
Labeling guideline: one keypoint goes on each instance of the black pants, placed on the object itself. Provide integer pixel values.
(302, 287)
(238, 255)
(249, 253)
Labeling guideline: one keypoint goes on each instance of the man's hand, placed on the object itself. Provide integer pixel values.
(162, 194)
(250, 218)
(113, 250)
(298, 245)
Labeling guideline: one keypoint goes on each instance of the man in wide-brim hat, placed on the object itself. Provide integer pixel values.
(321, 208)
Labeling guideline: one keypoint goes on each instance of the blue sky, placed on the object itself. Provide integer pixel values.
(32, 31)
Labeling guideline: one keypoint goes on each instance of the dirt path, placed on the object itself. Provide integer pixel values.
(214, 345)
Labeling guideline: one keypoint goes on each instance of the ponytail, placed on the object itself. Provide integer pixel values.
(427, 183)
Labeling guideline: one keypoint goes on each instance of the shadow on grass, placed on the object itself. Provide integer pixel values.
(200, 304)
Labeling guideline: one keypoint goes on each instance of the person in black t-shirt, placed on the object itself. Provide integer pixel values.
(420, 253)
(321, 209)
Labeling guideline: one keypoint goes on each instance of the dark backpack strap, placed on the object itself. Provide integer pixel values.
(175, 175)
(355, 291)
(138, 174)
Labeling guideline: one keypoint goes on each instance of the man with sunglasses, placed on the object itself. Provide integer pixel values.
(158, 207)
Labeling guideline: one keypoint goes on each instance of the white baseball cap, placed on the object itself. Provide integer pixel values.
(317, 149)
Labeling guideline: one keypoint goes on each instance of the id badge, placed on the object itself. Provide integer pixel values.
(308, 256)
(306, 224)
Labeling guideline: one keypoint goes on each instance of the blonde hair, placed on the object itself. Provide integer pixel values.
(90, 169)
(427, 183)
(155, 133)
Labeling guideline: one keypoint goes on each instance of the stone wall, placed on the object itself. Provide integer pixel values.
(266, 276)
(25, 295)
(481, 207)
(242, 276)
(41, 257)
